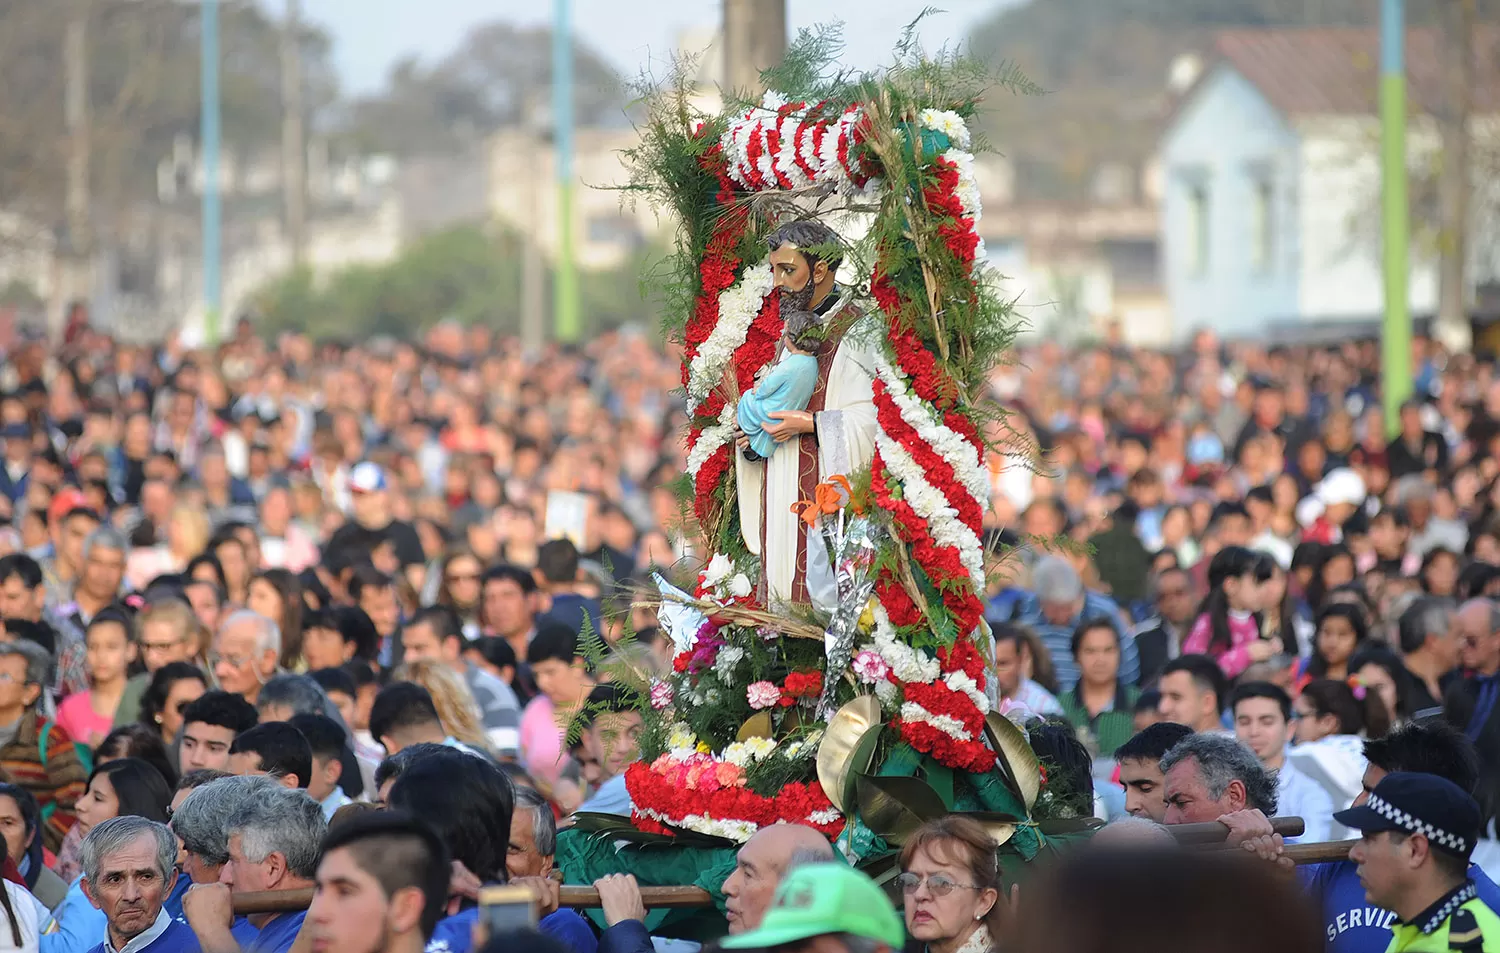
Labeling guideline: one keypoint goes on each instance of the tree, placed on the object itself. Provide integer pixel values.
(498, 75)
(144, 93)
(468, 273)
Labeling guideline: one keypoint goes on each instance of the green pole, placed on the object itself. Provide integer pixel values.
(565, 291)
(1395, 350)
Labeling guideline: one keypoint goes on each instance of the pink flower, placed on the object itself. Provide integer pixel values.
(704, 777)
(870, 667)
(763, 695)
(729, 775)
(661, 695)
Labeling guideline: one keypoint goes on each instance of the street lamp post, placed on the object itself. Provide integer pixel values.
(565, 290)
(209, 109)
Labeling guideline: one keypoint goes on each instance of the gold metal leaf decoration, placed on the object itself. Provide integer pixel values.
(861, 761)
(895, 807)
(1017, 761)
(1002, 827)
(756, 726)
(835, 752)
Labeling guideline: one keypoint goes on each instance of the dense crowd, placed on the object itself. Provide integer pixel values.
(341, 615)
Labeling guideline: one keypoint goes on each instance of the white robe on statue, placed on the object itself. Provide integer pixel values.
(845, 445)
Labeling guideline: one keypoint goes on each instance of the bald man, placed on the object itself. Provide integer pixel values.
(761, 864)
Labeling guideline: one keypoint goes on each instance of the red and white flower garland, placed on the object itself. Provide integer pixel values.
(739, 306)
(782, 145)
(928, 470)
(690, 789)
(929, 473)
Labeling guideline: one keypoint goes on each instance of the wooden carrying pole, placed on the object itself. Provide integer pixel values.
(571, 895)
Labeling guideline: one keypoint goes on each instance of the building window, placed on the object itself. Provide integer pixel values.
(1263, 226)
(1198, 227)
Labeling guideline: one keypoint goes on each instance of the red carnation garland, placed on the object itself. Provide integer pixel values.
(796, 803)
(942, 564)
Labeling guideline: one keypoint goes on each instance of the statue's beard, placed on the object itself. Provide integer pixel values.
(794, 301)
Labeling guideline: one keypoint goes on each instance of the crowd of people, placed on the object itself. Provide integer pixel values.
(331, 615)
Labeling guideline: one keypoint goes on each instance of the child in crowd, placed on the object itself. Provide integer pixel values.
(1227, 629)
(1341, 630)
(88, 716)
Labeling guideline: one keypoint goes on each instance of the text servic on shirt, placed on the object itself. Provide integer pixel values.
(1351, 924)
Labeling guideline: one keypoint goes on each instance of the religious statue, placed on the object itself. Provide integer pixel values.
(835, 434)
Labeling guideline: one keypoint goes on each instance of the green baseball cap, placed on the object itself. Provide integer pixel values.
(824, 898)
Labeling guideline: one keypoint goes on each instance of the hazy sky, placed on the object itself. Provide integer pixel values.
(371, 35)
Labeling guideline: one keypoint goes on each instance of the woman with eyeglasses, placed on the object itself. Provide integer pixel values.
(950, 885)
(460, 588)
(173, 687)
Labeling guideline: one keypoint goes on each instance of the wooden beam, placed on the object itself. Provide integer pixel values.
(682, 897)
(1214, 832)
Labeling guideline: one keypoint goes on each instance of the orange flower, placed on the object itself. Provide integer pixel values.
(826, 500)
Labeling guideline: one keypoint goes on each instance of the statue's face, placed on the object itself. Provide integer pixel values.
(789, 268)
(797, 282)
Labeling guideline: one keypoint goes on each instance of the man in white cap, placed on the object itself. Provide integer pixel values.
(1336, 498)
(373, 526)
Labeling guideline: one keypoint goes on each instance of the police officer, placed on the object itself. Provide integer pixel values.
(1417, 832)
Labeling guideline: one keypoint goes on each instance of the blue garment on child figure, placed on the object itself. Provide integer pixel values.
(789, 386)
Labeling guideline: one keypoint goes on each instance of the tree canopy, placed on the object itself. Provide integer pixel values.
(500, 75)
(143, 62)
(469, 274)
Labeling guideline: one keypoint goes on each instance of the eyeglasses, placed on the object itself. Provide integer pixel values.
(235, 661)
(463, 577)
(937, 884)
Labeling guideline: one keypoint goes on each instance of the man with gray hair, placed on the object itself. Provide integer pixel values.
(246, 653)
(1429, 650)
(273, 839)
(285, 695)
(100, 578)
(128, 871)
(533, 841)
(1208, 776)
(50, 771)
(1057, 605)
(200, 818)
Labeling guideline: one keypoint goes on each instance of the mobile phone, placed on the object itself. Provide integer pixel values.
(505, 909)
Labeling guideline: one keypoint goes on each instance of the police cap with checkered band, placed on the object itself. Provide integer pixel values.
(1422, 804)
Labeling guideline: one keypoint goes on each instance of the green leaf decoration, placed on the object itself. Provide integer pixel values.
(940, 776)
(895, 807)
(861, 759)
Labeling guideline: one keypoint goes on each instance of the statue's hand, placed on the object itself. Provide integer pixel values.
(741, 442)
(791, 423)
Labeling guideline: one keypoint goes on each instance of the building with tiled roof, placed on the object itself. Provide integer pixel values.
(1271, 180)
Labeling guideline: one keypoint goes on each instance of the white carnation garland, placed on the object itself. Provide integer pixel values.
(739, 306)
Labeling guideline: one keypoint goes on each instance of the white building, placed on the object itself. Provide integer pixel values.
(1270, 212)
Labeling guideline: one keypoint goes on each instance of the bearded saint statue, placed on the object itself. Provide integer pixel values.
(835, 434)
